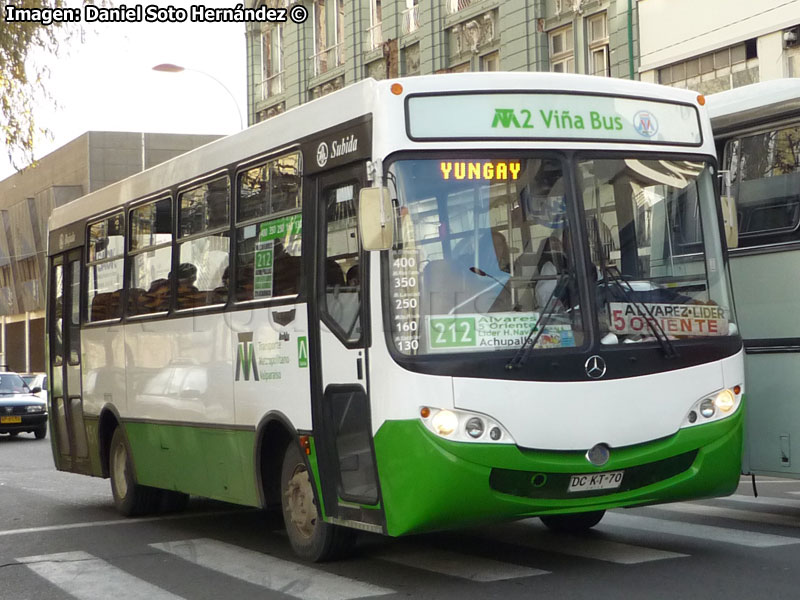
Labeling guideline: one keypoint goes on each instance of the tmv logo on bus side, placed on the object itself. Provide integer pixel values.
(246, 357)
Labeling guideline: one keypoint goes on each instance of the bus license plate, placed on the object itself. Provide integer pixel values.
(595, 481)
(10, 419)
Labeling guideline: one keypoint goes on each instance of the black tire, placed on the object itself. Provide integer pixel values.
(41, 433)
(13, 433)
(311, 538)
(130, 498)
(573, 523)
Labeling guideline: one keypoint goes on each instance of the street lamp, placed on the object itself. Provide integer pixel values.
(170, 68)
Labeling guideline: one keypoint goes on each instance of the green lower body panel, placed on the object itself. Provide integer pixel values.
(428, 483)
(212, 462)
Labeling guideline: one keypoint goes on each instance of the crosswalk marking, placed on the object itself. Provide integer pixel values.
(531, 534)
(705, 532)
(283, 576)
(187, 515)
(88, 578)
(457, 564)
(764, 500)
(736, 514)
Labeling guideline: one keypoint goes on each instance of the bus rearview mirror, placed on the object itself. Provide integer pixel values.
(375, 218)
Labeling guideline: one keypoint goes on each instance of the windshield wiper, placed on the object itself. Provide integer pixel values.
(524, 351)
(609, 274)
(612, 274)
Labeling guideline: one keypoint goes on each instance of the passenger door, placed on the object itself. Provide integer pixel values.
(342, 415)
(65, 401)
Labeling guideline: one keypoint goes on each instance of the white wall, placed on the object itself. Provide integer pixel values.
(675, 30)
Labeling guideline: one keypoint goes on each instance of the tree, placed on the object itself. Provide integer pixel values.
(23, 76)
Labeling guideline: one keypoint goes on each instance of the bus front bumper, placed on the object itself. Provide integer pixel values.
(428, 483)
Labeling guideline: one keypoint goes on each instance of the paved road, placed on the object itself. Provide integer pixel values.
(61, 538)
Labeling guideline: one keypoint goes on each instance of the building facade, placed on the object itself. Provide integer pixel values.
(88, 163)
(343, 42)
(725, 44)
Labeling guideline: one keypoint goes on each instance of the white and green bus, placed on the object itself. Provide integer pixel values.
(407, 306)
(758, 134)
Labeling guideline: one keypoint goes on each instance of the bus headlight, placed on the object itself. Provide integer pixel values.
(444, 422)
(714, 407)
(475, 427)
(725, 401)
(463, 426)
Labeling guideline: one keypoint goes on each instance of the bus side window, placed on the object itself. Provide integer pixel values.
(268, 251)
(104, 269)
(204, 244)
(150, 257)
(342, 300)
(768, 196)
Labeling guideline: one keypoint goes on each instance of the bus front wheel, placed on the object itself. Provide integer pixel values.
(573, 523)
(130, 498)
(311, 538)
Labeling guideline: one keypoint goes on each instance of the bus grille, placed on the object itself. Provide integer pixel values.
(531, 484)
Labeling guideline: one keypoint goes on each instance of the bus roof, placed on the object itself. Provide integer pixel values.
(357, 100)
(754, 103)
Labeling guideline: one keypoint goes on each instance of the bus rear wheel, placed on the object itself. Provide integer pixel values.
(130, 498)
(311, 538)
(573, 523)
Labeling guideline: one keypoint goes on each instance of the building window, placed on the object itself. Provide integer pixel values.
(411, 16)
(375, 34)
(716, 71)
(411, 60)
(453, 6)
(272, 56)
(597, 35)
(462, 68)
(328, 35)
(562, 58)
(490, 62)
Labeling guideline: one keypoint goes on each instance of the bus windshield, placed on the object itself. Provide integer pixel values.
(655, 249)
(485, 245)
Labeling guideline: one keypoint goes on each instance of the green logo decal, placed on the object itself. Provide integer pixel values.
(246, 357)
(506, 117)
(302, 352)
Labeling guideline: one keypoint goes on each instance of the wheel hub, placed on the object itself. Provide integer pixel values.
(120, 467)
(300, 502)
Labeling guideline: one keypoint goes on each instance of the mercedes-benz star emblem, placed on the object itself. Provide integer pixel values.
(595, 367)
(598, 455)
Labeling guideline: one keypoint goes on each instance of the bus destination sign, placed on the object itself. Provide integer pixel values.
(533, 116)
(675, 319)
(477, 170)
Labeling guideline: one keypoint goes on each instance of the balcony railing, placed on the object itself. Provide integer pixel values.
(272, 86)
(411, 19)
(375, 36)
(453, 6)
(328, 59)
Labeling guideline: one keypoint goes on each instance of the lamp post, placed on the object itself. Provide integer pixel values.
(170, 68)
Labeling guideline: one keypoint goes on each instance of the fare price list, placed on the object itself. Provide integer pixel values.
(404, 285)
